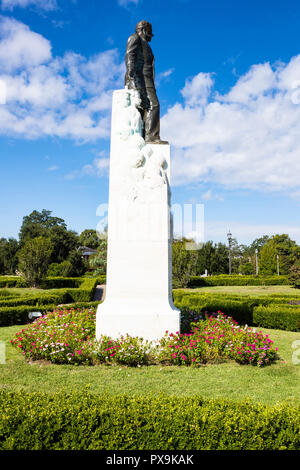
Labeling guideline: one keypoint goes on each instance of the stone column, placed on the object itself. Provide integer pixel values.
(139, 267)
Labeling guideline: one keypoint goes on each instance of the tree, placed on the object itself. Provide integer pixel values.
(205, 258)
(34, 258)
(38, 224)
(236, 256)
(184, 263)
(294, 274)
(258, 243)
(99, 261)
(89, 238)
(247, 268)
(8, 256)
(220, 260)
(42, 224)
(213, 257)
(78, 265)
(64, 242)
(267, 259)
(287, 251)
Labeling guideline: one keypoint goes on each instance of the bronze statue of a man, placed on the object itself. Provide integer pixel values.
(139, 61)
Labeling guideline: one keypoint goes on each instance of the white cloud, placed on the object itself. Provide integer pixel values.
(53, 168)
(125, 3)
(20, 47)
(47, 5)
(208, 196)
(99, 167)
(68, 96)
(246, 233)
(197, 90)
(164, 75)
(248, 138)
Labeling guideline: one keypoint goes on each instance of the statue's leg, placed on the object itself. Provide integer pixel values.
(145, 106)
(152, 118)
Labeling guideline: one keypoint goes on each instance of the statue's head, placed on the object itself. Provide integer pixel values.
(144, 29)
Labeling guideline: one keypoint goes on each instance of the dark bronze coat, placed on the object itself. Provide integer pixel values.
(139, 61)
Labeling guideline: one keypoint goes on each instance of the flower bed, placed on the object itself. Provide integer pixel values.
(68, 337)
(217, 338)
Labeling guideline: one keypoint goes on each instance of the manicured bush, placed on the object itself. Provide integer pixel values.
(61, 282)
(19, 315)
(38, 299)
(5, 294)
(281, 317)
(226, 280)
(85, 292)
(240, 308)
(85, 421)
(12, 281)
(14, 309)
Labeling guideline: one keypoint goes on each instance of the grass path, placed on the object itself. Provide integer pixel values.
(248, 290)
(276, 383)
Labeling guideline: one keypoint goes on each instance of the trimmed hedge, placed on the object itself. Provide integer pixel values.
(280, 317)
(11, 281)
(86, 291)
(38, 299)
(48, 283)
(227, 280)
(242, 308)
(83, 421)
(61, 282)
(10, 316)
(15, 311)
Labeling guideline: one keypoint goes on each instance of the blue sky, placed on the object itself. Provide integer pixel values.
(228, 80)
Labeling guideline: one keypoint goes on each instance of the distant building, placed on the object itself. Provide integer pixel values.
(87, 252)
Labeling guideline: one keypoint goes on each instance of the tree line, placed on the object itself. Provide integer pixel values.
(47, 247)
(268, 255)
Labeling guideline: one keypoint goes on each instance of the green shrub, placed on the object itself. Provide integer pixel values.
(61, 282)
(294, 275)
(240, 308)
(12, 281)
(226, 280)
(19, 307)
(86, 291)
(84, 421)
(59, 269)
(19, 315)
(57, 297)
(280, 317)
(6, 294)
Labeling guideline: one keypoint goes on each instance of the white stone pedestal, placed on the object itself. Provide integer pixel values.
(139, 268)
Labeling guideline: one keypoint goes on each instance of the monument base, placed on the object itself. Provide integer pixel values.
(149, 325)
(138, 298)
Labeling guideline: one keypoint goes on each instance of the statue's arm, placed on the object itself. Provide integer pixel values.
(131, 54)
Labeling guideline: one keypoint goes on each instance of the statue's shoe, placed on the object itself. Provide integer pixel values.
(158, 141)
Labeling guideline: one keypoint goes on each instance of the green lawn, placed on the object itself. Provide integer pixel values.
(271, 384)
(247, 290)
